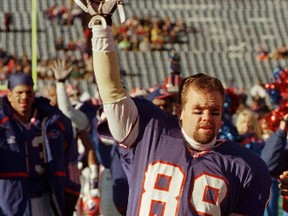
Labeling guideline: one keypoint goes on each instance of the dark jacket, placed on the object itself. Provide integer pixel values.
(275, 153)
(60, 153)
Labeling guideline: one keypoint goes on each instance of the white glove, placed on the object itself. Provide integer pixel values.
(101, 10)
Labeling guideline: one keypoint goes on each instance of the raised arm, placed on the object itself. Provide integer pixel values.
(121, 112)
(61, 72)
(78, 118)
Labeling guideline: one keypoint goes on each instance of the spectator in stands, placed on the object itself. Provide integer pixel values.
(76, 11)
(4, 56)
(67, 18)
(87, 61)
(134, 43)
(2, 74)
(164, 100)
(175, 62)
(248, 126)
(263, 54)
(7, 21)
(59, 44)
(42, 68)
(141, 31)
(145, 45)
(242, 94)
(13, 65)
(124, 44)
(280, 53)
(181, 27)
(157, 39)
(49, 13)
(259, 96)
(256, 136)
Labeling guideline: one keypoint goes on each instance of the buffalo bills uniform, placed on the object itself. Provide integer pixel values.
(36, 159)
(166, 177)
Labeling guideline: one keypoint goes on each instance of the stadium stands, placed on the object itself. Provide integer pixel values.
(228, 37)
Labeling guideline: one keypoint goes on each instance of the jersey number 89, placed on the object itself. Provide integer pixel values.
(163, 186)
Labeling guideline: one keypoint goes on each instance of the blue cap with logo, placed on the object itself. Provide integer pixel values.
(19, 78)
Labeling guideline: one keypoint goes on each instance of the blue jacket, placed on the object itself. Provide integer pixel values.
(61, 160)
(275, 153)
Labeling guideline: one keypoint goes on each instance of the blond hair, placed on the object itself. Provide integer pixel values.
(250, 117)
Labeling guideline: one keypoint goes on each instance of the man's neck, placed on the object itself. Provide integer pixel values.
(198, 146)
(24, 118)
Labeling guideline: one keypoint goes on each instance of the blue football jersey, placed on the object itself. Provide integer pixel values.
(168, 178)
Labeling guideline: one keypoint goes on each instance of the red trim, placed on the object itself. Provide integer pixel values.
(65, 145)
(60, 173)
(68, 190)
(14, 174)
(4, 120)
(60, 125)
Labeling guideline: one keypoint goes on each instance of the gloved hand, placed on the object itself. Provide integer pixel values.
(60, 70)
(101, 11)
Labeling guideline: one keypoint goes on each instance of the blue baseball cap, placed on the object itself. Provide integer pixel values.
(159, 93)
(19, 78)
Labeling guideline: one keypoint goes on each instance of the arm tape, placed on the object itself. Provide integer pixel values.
(107, 73)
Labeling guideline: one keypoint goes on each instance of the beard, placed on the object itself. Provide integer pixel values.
(203, 138)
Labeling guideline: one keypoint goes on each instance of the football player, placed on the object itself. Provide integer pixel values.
(67, 99)
(175, 166)
(38, 157)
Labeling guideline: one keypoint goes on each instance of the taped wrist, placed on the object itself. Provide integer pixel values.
(102, 39)
(107, 17)
(107, 73)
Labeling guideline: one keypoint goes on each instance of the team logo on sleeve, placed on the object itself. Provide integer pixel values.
(74, 172)
(11, 140)
(54, 134)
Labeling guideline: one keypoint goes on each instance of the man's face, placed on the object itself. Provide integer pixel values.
(201, 115)
(52, 95)
(21, 99)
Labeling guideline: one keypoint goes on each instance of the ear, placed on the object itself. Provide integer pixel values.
(179, 111)
(9, 95)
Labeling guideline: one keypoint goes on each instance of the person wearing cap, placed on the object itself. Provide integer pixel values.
(164, 100)
(38, 157)
(174, 166)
